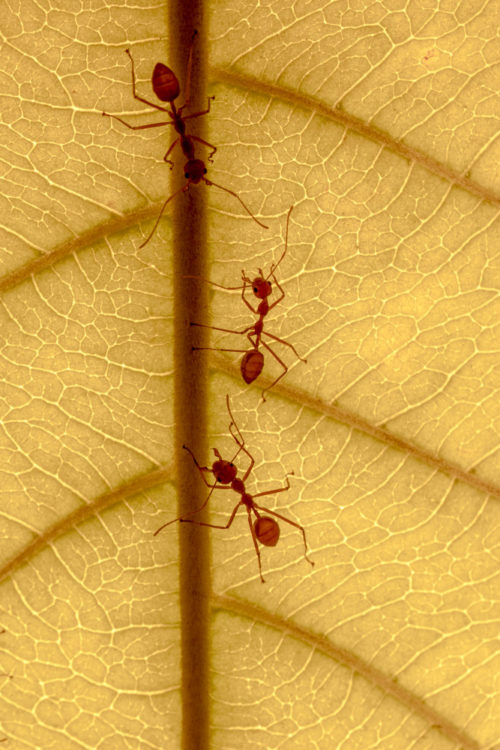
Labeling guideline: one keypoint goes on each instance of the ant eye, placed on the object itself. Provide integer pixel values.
(205, 171)
(256, 289)
(186, 175)
(232, 466)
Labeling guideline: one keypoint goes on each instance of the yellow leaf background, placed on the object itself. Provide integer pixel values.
(377, 121)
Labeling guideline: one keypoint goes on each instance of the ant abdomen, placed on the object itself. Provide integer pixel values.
(252, 364)
(165, 83)
(267, 531)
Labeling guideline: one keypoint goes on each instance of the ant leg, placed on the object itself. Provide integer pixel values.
(239, 440)
(245, 450)
(192, 513)
(214, 349)
(136, 96)
(187, 100)
(292, 523)
(279, 299)
(285, 369)
(206, 468)
(287, 343)
(197, 114)
(255, 344)
(137, 127)
(201, 469)
(247, 303)
(165, 158)
(214, 525)
(274, 266)
(205, 143)
(189, 69)
(273, 492)
(224, 330)
(257, 550)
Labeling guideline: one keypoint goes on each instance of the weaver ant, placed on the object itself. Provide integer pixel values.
(264, 529)
(252, 362)
(166, 87)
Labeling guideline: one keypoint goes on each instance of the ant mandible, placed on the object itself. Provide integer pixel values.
(166, 87)
(264, 529)
(252, 362)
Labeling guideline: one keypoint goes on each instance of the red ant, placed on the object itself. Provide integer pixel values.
(264, 529)
(253, 361)
(167, 89)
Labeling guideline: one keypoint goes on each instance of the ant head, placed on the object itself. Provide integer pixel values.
(261, 287)
(165, 83)
(223, 471)
(194, 169)
(267, 531)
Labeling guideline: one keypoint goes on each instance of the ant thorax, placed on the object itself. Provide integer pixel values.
(262, 309)
(238, 486)
(247, 499)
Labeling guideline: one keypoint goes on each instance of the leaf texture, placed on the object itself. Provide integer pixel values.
(378, 123)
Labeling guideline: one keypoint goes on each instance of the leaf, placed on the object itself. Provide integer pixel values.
(377, 123)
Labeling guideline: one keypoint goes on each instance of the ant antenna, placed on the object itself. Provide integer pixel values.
(231, 192)
(181, 190)
(202, 278)
(274, 266)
